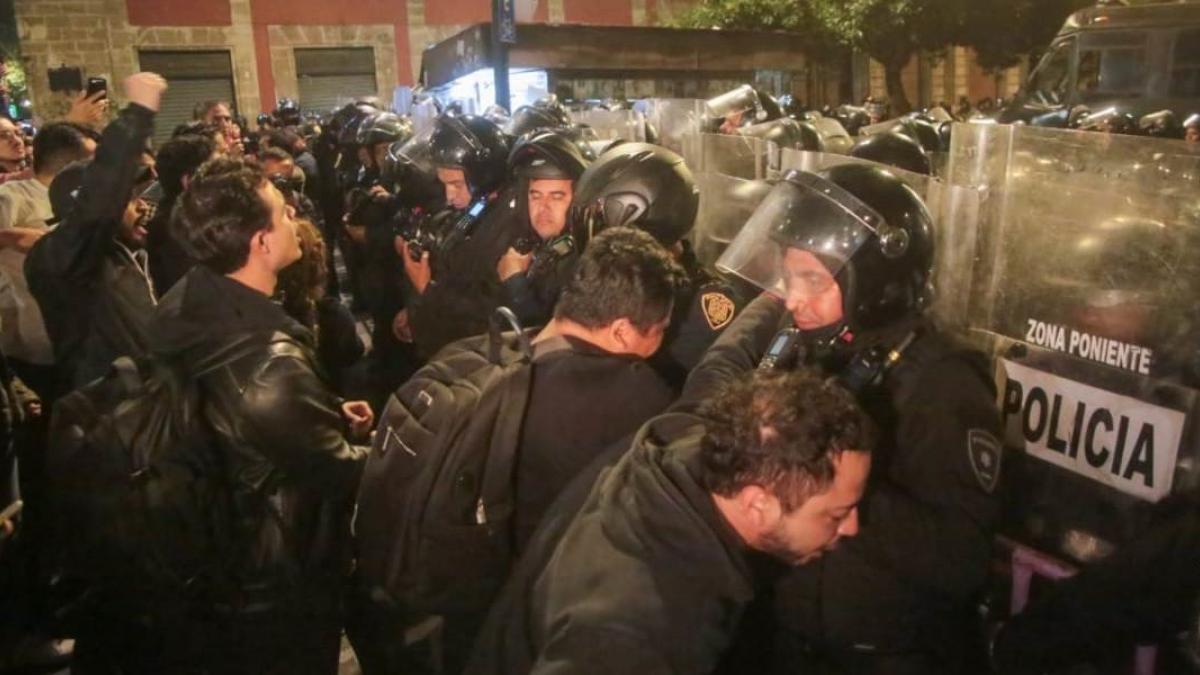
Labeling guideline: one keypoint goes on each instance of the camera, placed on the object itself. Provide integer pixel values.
(418, 231)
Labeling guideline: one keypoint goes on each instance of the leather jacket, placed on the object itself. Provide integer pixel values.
(278, 423)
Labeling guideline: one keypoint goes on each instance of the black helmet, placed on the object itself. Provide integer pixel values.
(894, 149)
(408, 168)
(1161, 124)
(852, 118)
(946, 132)
(264, 118)
(1109, 120)
(1055, 119)
(870, 228)
(529, 118)
(473, 144)
(287, 111)
(547, 154)
(920, 130)
(348, 120)
(384, 127)
(787, 133)
(640, 185)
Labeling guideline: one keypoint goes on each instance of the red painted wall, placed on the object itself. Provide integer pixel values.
(457, 11)
(327, 12)
(178, 12)
(608, 13)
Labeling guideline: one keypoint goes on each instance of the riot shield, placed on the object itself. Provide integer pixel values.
(424, 116)
(954, 209)
(611, 125)
(833, 135)
(738, 156)
(675, 118)
(1083, 290)
(726, 203)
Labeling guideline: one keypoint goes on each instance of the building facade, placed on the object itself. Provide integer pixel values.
(254, 52)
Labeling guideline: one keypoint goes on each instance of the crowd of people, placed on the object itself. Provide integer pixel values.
(468, 396)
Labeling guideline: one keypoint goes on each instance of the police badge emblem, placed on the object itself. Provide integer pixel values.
(985, 452)
(718, 309)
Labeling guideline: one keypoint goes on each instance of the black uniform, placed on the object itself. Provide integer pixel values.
(703, 309)
(532, 295)
(465, 290)
(898, 596)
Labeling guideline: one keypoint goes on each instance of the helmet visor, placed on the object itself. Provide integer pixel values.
(803, 213)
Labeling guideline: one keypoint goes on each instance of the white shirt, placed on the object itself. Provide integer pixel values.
(23, 203)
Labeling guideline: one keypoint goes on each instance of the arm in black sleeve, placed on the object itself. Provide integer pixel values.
(293, 417)
(930, 516)
(78, 243)
(737, 351)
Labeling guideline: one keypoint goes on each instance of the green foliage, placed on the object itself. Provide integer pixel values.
(748, 14)
(1003, 32)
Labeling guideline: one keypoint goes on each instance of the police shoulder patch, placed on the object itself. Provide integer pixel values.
(718, 309)
(985, 453)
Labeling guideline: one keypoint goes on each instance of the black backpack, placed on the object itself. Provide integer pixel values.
(432, 527)
(139, 516)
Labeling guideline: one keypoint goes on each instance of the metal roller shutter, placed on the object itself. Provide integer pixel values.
(331, 77)
(322, 93)
(191, 77)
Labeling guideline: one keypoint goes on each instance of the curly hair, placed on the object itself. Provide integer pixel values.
(781, 431)
(218, 215)
(624, 273)
(302, 284)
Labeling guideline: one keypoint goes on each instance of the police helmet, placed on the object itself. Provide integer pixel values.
(348, 120)
(287, 111)
(946, 132)
(1109, 120)
(264, 119)
(384, 127)
(529, 118)
(549, 154)
(920, 130)
(498, 115)
(638, 185)
(853, 118)
(1055, 119)
(870, 228)
(473, 144)
(894, 149)
(408, 168)
(787, 133)
(1161, 124)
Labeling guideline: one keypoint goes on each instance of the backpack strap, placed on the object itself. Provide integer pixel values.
(504, 317)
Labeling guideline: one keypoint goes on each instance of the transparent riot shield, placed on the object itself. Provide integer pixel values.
(737, 156)
(424, 116)
(673, 119)
(1083, 288)
(611, 125)
(954, 209)
(833, 135)
(726, 203)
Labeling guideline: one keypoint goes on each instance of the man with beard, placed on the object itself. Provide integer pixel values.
(652, 574)
(89, 275)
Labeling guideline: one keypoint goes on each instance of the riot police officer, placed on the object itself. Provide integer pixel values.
(650, 188)
(545, 113)
(846, 256)
(452, 272)
(894, 149)
(546, 165)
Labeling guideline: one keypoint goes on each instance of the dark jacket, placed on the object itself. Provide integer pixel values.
(96, 299)
(581, 401)
(465, 289)
(532, 295)
(169, 261)
(704, 307)
(293, 472)
(904, 586)
(647, 578)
